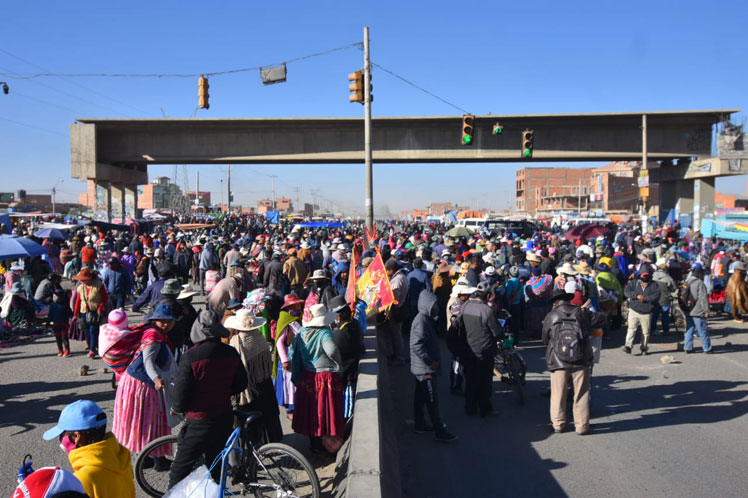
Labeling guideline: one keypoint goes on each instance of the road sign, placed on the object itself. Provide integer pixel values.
(644, 181)
(644, 192)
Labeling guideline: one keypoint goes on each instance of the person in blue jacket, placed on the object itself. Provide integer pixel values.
(118, 282)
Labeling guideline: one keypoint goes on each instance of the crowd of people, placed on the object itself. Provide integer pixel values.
(277, 335)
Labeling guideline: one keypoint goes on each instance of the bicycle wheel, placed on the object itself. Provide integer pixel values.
(280, 470)
(678, 319)
(155, 482)
(515, 372)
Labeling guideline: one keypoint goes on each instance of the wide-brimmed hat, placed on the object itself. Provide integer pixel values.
(85, 274)
(171, 287)
(305, 245)
(443, 267)
(319, 275)
(461, 290)
(561, 294)
(567, 269)
(740, 266)
(244, 320)
(532, 257)
(321, 316)
(290, 300)
(338, 304)
(187, 293)
(583, 268)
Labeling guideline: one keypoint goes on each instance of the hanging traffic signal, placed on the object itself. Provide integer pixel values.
(468, 124)
(357, 87)
(202, 85)
(527, 143)
(498, 129)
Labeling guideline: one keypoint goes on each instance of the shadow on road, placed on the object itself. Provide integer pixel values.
(27, 413)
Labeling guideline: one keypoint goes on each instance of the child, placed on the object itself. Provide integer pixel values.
(59, 318)
(102, 465)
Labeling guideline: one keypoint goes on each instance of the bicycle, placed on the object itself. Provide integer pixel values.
(270, 470)
(508, 363)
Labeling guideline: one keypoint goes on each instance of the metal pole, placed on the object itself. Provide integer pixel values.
(367, 134)
(645, 220)
(197, 193)
(229, 189)
(272, 177)
(579, 197)
(54, 191)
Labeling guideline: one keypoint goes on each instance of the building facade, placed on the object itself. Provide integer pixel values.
(542, 190)
(160, 194)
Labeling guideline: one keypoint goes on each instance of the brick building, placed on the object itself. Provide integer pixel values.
(203, 199)
(541, 190)
(614, 188)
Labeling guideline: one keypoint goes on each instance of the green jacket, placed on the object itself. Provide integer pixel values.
(609, 282)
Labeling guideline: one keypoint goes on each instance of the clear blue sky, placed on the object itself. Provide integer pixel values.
(498, 57)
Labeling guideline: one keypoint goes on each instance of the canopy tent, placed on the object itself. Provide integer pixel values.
(194, 226)
(58, 226)
(319, 224)
(51, 233)
(15, 247)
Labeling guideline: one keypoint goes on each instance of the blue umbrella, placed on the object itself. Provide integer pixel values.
(51, 233)
(13, 247)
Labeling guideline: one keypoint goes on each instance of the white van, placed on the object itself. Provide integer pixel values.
(472, 223)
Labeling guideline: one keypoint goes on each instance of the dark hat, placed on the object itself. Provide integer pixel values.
(392, 264)
(171, 287)
(233, 304)
(236, 262)
(337, 304)
(562, 295)
(163, 312)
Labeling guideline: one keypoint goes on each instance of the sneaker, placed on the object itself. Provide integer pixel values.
(423, 429)
(688, 351)
(626, 349)
(645, 351)
(445, 437)
(91, 354)
(66, 353)
(558, 430)
(59, 353)
(711, 351)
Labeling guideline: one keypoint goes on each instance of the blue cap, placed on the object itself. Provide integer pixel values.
(163, 312)
(697, 265)
(79, 416)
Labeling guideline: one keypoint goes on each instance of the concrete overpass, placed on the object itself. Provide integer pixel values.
(115, 153)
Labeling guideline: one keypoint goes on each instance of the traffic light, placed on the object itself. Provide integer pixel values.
(498, 129)
(202, 85)
(357, 87)
(527, 143)
(468, 122)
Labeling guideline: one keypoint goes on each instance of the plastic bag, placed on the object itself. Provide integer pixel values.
(198, 484)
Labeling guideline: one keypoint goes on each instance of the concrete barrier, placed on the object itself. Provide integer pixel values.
(367, 465)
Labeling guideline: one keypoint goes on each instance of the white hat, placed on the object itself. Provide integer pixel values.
(567, 269)
(461, 290)
(532, 257)
(341, 247)
(305, 245)
(490, 270)
(186, 293)
(244, 320)
(321, 317)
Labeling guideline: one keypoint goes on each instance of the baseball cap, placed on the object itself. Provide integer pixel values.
(47, 482)
(79, 416)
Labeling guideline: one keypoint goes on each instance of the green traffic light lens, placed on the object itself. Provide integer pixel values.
(467, 139)
(498, 130)
(528, 153)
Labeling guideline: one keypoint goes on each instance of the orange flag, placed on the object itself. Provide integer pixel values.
(374, 288)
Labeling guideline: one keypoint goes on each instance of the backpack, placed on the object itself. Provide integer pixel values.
(455, 338)
(568, 341)
(685, 298)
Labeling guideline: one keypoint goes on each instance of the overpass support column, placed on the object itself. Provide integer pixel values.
(103, 200)
(683, 198)
(703, 200)
(118, 201)
(668, 201)
(131, 201)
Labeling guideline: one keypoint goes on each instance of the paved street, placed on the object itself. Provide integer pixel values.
(658, 430)
(35, 385)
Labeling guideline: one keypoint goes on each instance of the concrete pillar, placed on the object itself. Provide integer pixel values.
(108, 202)
(131, 201)
(668, 200)
(683, 199)
(703, 200)
(118, 200)
(102, 201)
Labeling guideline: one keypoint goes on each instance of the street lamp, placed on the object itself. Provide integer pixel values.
(6, 88)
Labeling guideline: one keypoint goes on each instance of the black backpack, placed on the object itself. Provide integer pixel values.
(685, 298)
(456, 336)
(567, 340)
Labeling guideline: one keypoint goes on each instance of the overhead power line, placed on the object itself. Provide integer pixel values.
(26, 76)
(420, 88)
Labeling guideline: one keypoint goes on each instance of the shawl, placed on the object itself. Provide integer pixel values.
(737, 292)
(284, 320)
(255, 354)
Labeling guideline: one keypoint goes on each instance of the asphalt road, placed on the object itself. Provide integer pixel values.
(35, 385)
(658, 430)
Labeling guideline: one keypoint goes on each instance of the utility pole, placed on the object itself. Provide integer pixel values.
(643, 172)
(273, 177)
(229, 189)
(54, 191)
(197, 193)
(579, 197)
(297, 189)
(367, 134)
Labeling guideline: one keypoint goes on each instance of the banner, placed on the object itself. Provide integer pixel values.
(374, 288)
(350, 291)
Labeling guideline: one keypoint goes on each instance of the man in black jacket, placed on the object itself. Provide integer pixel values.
(481, 333)
(209, 374)
(643, 296)
(563, 318)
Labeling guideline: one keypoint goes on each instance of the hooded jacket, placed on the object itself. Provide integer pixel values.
(104, 469)
(481, 328)
(424, 350)
(651, 293)
(699, 293)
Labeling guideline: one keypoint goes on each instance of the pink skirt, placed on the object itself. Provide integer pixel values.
(139, 415)
(318, 407)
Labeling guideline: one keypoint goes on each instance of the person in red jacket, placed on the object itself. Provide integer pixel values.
(88, 255)
(90, 302)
